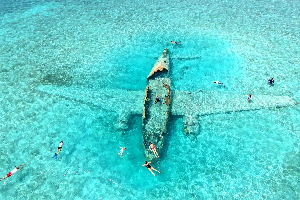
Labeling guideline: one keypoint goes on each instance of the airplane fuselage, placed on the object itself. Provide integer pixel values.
(156, 109)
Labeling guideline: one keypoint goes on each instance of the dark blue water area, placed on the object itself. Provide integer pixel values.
(14, 5)
(11, 6)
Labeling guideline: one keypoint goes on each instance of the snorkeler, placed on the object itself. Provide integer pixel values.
(271, 81)
(17, 168)
(153, 149)
(58, 149)
(121, 151)
(173, 42)
(219, 83)
(147, 164)
(249, 97)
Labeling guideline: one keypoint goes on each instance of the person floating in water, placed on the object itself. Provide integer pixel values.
(249, 97)
(58, 149)
(150, 168)
(219, 83)
(157, 99)
(121, 150)
(153, 149)
(173, 42)
(17, 168)
(271, 81)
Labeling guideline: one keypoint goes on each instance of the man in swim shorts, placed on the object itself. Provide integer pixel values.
(17, 168)
(58, 149)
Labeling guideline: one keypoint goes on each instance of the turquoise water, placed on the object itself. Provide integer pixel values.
(112, 46)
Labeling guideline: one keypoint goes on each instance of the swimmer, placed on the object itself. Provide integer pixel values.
(175, 42)
(219, 83)
(121, 151)
(271, 81)
(147, 164)
(157, 99)
(153, 149)
(17, 168)
(249, 97)
(58, 149)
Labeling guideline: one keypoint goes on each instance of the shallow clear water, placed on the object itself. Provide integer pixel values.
(111, 45)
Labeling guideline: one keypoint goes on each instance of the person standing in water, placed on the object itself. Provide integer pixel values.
(58, 149)
(150, 168)
(17, 168)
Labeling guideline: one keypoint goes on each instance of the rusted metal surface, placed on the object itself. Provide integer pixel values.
(161, 64)
(156, 113)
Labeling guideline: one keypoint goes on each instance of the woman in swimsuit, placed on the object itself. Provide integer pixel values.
(17, 168)
(147, 164)
(153, 149)
(58, 149)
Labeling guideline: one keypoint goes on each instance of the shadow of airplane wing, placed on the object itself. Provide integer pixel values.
(190, 105)
(123, 102)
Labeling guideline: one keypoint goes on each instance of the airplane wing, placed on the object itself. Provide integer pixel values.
(191, 105)
(123, 102)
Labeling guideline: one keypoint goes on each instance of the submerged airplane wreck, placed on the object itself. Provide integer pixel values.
(155, 111)
(189, 105)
